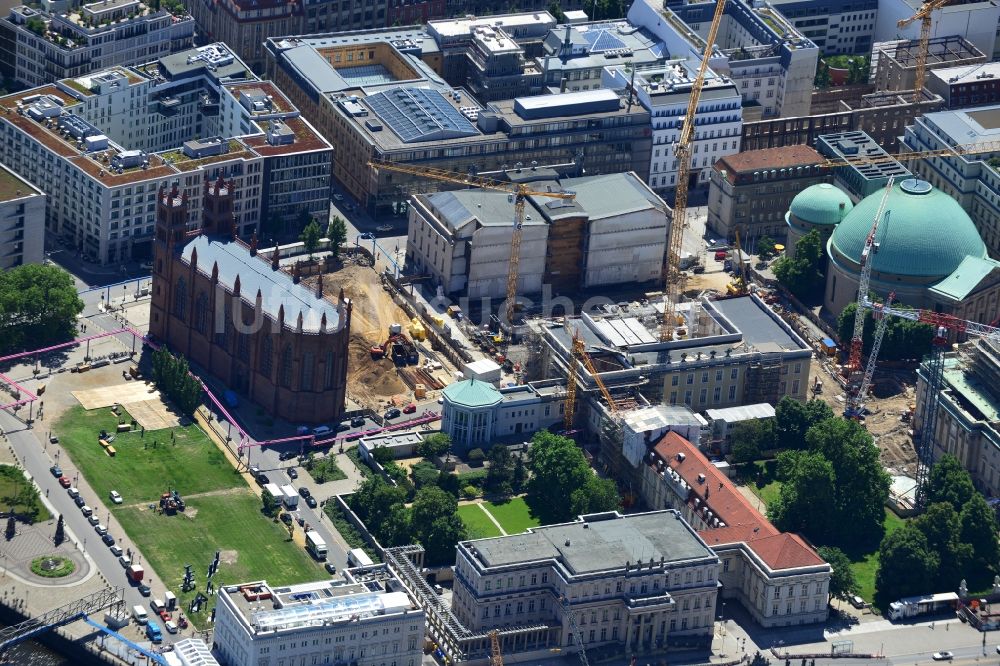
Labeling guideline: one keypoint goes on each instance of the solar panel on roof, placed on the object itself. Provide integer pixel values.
(602, 40)
(420, 114)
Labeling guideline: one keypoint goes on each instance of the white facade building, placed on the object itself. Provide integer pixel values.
(40, 47)
(368, 618)
(22, 209)
(835, 26)
(102, 145)
(665, 92)
(976, 21)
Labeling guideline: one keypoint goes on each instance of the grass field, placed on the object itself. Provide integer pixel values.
(477, 524)
(768, 493)
(866, 565)
(514, 516)
(253, 547)
(190, 463)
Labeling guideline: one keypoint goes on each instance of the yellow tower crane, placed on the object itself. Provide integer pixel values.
(924, 15)
(496, 659)
(520, 192)
(682, 149)
(981, 148)
(578, 353)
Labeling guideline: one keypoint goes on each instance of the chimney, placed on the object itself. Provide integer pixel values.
(569, 33)
(253, 244)
(319, 286)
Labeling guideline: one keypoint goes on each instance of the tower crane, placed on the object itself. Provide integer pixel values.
(739, 286)
(682, 149)
(564, 602)
(924, 15)
(856, 398)
(520, 193)
(578, 354)
(496, 658)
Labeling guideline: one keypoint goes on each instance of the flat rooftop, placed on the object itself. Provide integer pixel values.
(959, 127)
(600, 542)
(13, 186)
(983, 71)
(940, 50)
(759, 325)
(972, 391)
(857, 144)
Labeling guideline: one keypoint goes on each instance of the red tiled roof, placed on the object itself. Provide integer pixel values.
(743, 523)
(769, 158)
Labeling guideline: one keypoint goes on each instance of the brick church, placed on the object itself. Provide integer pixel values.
(240, 316)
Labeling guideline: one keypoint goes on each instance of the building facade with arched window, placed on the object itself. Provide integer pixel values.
(240, 316)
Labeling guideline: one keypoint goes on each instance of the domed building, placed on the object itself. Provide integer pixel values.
(821, 206)
(928, 252)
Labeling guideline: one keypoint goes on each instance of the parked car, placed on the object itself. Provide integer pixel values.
(170, 627)
(410, 408)
(254, 471)
(384, 227)
(72, 492)
(107, 539)
(338, 197)
(367, 236)
(115, 497)
(287, 455)
(262, 480)
(56, 471)
(857, 601)
(93, 519)
(79, 501)
(343, 427)
(391, 414)
(86, 510)
(126, 562)
(115, 549)
(143, 590)
(330, 568)
(358, 422)
(101, 529)
(304, 492)
(311, 502)
(64, 482)
(438, 589)
(944, 655)
(285, 517)
(319, 431)
(293, 473)
(302, 430)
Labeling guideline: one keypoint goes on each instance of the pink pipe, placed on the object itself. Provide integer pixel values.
(8, 380)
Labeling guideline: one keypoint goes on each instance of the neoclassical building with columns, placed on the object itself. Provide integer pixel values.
(239, 315)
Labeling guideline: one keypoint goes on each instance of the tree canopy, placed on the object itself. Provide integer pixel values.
(337, 233)
(904, 339)
(434, 445)
(435, 523)
(172, 376)
(949, 482)
(792, 420)
(906, 565)
(843, 584)
(803, 275)
(560, 471)
(310, 236)
(38, 305)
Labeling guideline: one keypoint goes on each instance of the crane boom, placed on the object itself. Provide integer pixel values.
(578, 353)
(520, 191)
(958, 149)
(856, 398)
(682, 150)
(575, 628)
(496, 658)
(924, 15)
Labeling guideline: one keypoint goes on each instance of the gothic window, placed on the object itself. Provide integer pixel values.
(328, 371)
(243, 346)
(181, 299)
(308, 360)
(286, 366)
(266, 354)
(201, 313)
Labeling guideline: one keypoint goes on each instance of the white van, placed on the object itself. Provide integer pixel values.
(139, 615)
(156, 605)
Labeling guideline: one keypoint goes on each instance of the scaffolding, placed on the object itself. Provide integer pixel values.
(934, 367)
(763, 381)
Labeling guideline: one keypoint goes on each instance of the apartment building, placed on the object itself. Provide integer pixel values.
(22, 221)
(103, 144)
(368, 617)
(665, 92)
(751, 191)
(462, 238)
(966, 85)
(966, 420)
(777, 577)
(635, 582)
(766, 57)
(838, 27)
(894, 63)
(574, 56)
(38, 47)
(975, 20)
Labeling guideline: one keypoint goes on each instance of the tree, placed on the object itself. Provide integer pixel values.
(520, 474)
(904, 339)
(60, 535)
(749, 438)
(949, 482)
(942, 527)
(449, 482)
(35, 25)
(597, 495)
(38, 305)
(558, 468)
(374, 499)
(765, 247)
(500, 475)
(843, 584)
(11, 526)
(979, 533)
(310, 236)
(435, 524)
(337, 233)
(803, 275)
(906, 565)
(434, 445)
(271, 506)
(806, 496)
(395, 530)
(556, 10)
(858, 69)
(382, 455)
(172, 376)
(792, 419)
(823, 78)
(424, 473)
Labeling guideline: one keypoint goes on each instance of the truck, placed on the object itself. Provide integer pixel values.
(274, 490)
(316, 545)
(289, 497)
(135, 573)
(153, 632)
(359, 558)
(929, 603)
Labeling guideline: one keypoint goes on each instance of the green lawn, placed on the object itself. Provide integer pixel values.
(515, 516)
(768, 493)
(20, 494)
(477, 524)
(230, 522)
(141, 472)
(865, 565)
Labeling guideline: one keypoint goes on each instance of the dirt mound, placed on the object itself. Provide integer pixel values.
(369, 378)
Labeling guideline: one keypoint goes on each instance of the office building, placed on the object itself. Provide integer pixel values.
(838, 27)
(967, 415)
(38, 47)
(975, 20)
(750, 191)
(242, 318)
(190, 652)
(859, 179)
(102, 145)
(765, 56)
(22, 234)
(637, 582)
(665, 92)
(462, 238)
(368, 618)
(894, 63)
(777, 577)
(940, 267)
(967, 85)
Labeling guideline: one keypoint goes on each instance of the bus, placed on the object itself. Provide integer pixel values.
(316, 545)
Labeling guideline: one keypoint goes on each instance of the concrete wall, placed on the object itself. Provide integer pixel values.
(626, 248)
(490, 258)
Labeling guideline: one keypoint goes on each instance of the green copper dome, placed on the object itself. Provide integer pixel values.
(926, 234)
(472, 393)
(821, 204)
